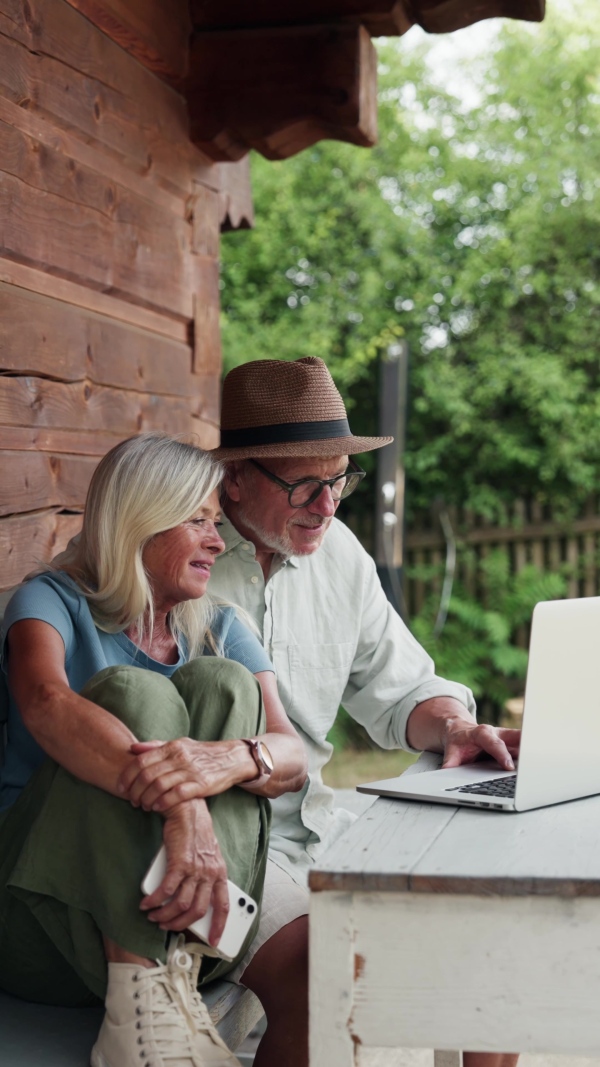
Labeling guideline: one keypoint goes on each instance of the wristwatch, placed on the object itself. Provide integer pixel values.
(261, 756)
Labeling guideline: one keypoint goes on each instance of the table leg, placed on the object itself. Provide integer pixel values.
(447, 1059)
(331, 980)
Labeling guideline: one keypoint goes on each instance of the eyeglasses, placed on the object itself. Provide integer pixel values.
(306, 490)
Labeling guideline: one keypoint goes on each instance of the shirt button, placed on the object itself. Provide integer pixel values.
(254, 579)
(246, 547)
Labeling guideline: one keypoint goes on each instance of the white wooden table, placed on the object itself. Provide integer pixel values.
(446, 928)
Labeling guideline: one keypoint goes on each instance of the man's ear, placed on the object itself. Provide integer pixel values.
(232, 481)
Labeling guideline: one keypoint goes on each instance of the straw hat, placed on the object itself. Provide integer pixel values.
(276, 408)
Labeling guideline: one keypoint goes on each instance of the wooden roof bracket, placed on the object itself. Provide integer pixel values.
(279, 90)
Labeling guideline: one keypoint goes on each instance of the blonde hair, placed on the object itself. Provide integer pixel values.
(142, 487)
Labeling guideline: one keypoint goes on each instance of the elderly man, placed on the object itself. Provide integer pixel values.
(332, 635)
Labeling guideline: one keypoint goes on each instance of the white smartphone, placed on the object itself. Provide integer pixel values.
(242, 910)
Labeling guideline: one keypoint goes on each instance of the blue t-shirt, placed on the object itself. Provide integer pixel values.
(56, 599)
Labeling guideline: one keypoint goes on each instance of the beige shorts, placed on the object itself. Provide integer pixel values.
(283, 901)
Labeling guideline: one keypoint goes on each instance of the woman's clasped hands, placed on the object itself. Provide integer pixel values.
(165, 773)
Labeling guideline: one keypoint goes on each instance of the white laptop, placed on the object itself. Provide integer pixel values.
(560, 744)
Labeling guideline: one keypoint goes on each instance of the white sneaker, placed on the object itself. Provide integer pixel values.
(156, 1018)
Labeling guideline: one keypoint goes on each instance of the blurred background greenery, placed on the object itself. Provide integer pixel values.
(473, 231)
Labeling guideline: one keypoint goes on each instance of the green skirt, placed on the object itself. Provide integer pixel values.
(72, 857)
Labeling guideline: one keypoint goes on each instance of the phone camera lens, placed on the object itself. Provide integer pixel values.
(242, 902)
(250, 909)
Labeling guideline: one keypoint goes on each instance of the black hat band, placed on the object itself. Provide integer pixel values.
(284, 432)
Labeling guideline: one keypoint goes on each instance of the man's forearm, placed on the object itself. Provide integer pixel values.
(428, 722)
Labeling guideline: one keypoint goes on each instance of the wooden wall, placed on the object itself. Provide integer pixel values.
(109, 240)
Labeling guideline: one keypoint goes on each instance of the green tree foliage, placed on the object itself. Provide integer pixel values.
(473, 229)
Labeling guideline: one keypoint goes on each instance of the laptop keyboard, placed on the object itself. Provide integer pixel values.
(495, 787)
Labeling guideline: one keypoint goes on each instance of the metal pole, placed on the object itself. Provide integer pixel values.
(389, 524)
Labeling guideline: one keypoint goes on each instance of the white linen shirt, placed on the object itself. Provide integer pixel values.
(333, 638)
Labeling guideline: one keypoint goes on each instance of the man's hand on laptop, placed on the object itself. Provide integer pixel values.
(443, 724)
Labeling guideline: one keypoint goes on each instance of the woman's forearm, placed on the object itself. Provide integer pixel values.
(81, 736)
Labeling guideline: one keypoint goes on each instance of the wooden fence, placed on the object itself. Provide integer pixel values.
(531, 535)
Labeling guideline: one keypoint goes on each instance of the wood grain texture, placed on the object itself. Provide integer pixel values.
(27, 540)
(53, 60)
(52, 339)
(484, 973)
(95, 110)
(547, 851)
(80, 296)
(230, 180)
(237, 209)
(98, 276)
(31, 481)
(206, 219)
(53, 171)
(331, 954)
(207, 332)
(381, 850)
(41, 402)
(73, 442)
(280, 90)
(49, 232)
(404, 846)
(91, 156)
(209, 393)
(156, 33)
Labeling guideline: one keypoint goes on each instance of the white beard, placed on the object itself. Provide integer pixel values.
(282, 545)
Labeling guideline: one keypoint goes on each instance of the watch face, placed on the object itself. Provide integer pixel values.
(265, 757)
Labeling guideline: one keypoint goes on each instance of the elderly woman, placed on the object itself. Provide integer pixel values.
(135, 720)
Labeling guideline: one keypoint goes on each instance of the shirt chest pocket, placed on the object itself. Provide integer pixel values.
(318, 677)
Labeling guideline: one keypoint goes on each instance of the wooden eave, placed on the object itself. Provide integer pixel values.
(278, 77)
(380, 17)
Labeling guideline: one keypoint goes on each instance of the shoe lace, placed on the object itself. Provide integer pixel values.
(201, 1016)
(169, 1018)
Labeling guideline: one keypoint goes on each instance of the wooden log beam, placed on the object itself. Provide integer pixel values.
(53, 339)
(202, 424)
(156, 32)
(390, 17)
(30, 481)
(445, 16)
(57, 65)
(378, 16)
(27, 539)
(34, 403)
(33, 281)
(281, 90)
(127, 259)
